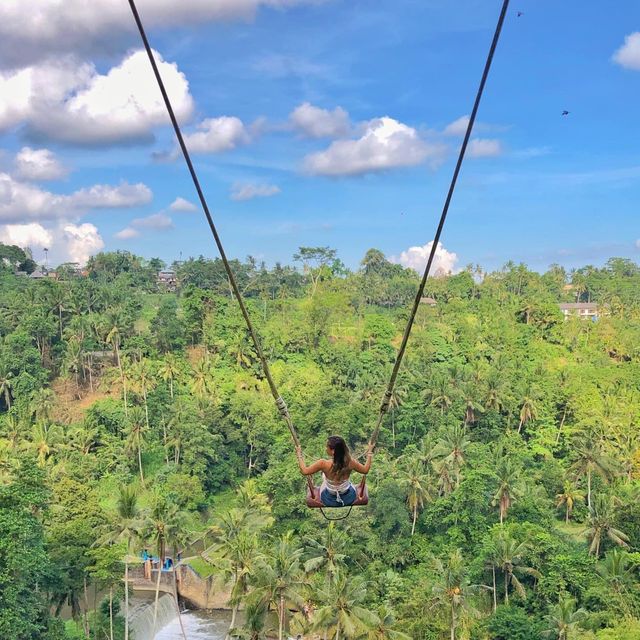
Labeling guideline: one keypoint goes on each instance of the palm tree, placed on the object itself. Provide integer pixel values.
(143, 382)
(619, 574)
(417, 487)
(440, 396)
(528, 411)
(202, 380)
(137, 429)
(451, 590)
(563, 619)
(6, 384)
(125, 526)
(385, 628)
(44, 438)
(601, 519)
(280, 579)
(235, 548)
(495, 397)
(570, 494)
(327, 553)
(42, 402)
(342, 613)
(508, 485)
(590, 459)
(451, 449)
(509, 556)
(170, 370)
(472, 407)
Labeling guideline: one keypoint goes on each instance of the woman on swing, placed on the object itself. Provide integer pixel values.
(336, 489)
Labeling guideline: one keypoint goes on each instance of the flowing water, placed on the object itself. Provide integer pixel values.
(198, 625)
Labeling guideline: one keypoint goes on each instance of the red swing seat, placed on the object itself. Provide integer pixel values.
(314, 502)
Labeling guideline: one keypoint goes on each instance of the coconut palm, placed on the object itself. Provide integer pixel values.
(170, 370)
(528, 411)
(143, 382)
(280, 578)
(342, 613)
(601, 521)
(568, 497)
(6, 384)
(137, 427)
(508, 474)
(385, 628)
(416, 483)
(451, 590)
(591, 458)
(328, 552)
(125, 525)
(618, 572)
(563, 619)
(234, 552)
(509, 558)
(451, 449)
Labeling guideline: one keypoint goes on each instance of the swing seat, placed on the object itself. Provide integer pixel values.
(314, 502)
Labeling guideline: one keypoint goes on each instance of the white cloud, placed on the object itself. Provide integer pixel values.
(81, 241)
(38, 164)
(155, 221)
(26, 235)
(385, 144)
(71, 102)
(20, 201)
(50, 27)
(180, 204)
(315, 122)
(638, 243)
(215, 135)
(628, 55)
(248, 191)
(485, 148)
(457, 127)
(67, 242)
(127, 233)
(444, 261)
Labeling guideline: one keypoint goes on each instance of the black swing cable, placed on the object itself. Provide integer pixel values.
(280, 403)
(384, 407)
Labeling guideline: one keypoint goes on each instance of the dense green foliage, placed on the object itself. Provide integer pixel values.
(505, 487)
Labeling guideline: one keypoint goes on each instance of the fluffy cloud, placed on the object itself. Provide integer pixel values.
(21, 200)
(485, 148)
(628, 55)
(315, 122)
(215, 135)
(71, 102)
(104, 26)
(156, 222)
(416, 258)
(180, 204)
(127, 233)
(249, 191)
(31, 235)
(385, 144)
(38, 164)
(638, 243)
(457, 127)
(81, 241)
(67, 242)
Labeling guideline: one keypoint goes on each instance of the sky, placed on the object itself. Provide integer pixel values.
(322, 123)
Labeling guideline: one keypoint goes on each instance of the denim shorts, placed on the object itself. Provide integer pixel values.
(329, 498)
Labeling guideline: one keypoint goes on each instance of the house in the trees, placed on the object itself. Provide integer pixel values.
(587, 310)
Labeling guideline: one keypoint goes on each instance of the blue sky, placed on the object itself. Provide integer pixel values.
(328, 120)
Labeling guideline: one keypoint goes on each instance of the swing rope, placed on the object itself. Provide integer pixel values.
(279, 400)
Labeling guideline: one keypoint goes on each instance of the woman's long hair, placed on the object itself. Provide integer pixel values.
(341, 455)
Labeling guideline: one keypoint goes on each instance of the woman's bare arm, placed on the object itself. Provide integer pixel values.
(318, 465)
(362, 468)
